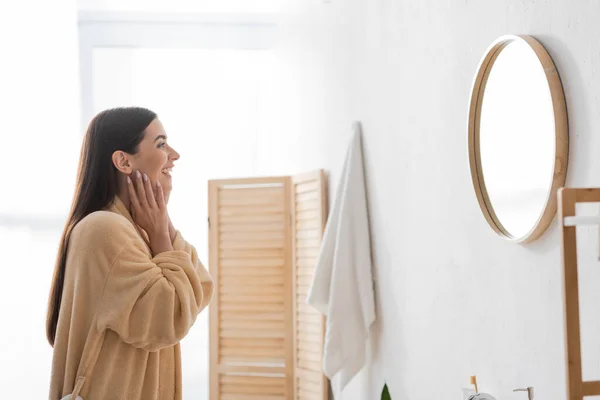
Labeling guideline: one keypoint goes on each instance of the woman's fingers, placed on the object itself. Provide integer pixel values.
(149, 192)
(132, 195)
(160, 196)
(141, 192)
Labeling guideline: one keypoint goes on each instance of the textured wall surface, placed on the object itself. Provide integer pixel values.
(454, 299)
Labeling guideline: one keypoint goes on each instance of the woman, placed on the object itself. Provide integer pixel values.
(127, 287)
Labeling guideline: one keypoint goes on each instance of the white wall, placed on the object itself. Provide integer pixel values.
(454, 299)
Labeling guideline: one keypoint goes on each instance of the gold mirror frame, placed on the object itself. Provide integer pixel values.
(561, 148)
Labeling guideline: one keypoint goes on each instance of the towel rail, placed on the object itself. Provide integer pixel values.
(568, 199)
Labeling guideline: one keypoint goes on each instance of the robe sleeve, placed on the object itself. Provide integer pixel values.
(152, 303)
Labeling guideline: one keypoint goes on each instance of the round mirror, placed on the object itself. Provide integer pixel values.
(518, 137)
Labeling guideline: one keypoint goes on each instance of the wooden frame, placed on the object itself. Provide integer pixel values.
(322, 391)
(561, 137)
(577, 389)
(217, 369)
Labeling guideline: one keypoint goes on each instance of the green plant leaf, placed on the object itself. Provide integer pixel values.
(385, 394)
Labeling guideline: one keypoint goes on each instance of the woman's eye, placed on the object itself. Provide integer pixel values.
(161, 145)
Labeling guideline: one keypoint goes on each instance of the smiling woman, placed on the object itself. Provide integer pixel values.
(155, 157)
(127, 288)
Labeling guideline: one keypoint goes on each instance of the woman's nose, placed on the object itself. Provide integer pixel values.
(174, 154)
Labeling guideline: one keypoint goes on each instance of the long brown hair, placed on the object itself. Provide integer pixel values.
(96, 186)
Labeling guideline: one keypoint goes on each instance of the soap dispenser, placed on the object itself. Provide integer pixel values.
(478, 395)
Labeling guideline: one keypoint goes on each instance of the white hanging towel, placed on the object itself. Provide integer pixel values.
(342, 286)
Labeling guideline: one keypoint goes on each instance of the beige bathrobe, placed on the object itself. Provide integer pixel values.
(144, 305)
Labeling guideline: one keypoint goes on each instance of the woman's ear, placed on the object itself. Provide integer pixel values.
(122, 162)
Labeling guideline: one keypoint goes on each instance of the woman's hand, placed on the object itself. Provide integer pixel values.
(149, 211)
(172, 231)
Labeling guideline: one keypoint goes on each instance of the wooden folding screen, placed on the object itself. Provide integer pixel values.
(309, 215)
(265, 343)
(251, 317)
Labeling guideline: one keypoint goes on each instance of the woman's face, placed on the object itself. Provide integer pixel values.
(155, 157)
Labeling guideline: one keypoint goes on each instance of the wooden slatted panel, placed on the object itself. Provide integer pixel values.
(251, 315)
(309, 211)
(248, 387)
